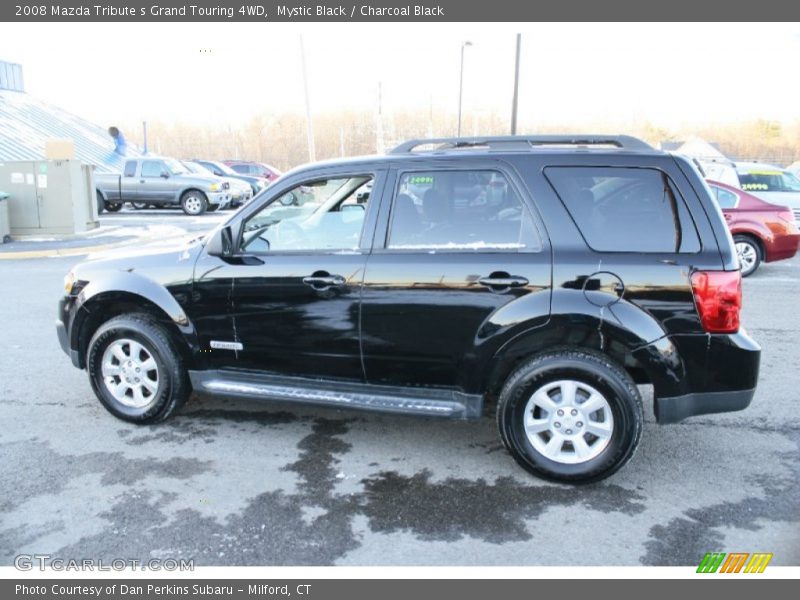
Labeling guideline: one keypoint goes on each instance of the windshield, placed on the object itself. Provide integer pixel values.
(196, 168)
(769, 181)
(174, 167)
(225, 168)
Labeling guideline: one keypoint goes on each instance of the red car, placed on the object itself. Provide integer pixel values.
(254, 169)
(761, 231)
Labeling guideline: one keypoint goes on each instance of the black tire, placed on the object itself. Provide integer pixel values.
(101, 204)
(173, 382)
(194, 203)
(213, 207)
(753, 248)
(585, 367)
(113, 206)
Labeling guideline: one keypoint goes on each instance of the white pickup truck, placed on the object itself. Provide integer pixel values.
(161, 182)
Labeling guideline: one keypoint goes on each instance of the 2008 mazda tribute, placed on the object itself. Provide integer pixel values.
(549, 275)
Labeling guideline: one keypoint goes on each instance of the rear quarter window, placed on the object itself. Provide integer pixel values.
(624, 209)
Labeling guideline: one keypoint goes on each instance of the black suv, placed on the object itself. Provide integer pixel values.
(548, 275)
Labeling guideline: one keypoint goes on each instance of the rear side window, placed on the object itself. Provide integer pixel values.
(620, 209)
(130, 168)
(469, 210)
(724, 198)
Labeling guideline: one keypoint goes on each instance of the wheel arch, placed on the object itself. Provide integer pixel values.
(647, 355)
(127, 295)
(192, 188)
(754, 235)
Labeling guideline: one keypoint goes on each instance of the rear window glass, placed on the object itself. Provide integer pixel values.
(769, 181)
(620, 209)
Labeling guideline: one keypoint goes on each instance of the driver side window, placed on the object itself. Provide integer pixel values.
(323, 215)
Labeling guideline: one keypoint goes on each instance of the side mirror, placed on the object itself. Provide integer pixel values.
(164, 174)
(221, 244)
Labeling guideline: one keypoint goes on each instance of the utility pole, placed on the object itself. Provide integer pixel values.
(516, 89)
(309, 125)
(380, 142)
(144, 132)
(430, 117)
(461, 85)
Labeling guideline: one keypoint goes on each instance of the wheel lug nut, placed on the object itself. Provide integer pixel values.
(569, 431)
(574, 412)
(558, 425)
(560, 412)
(579, 423)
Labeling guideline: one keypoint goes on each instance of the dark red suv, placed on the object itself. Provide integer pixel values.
(761, 231)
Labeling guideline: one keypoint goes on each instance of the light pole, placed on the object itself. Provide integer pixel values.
(309, 123)
(461, 85)
(515, 100)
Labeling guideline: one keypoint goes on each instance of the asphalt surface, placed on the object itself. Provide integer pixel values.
(239, 483)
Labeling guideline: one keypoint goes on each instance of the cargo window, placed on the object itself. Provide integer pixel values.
(460, 211)
(619, 209)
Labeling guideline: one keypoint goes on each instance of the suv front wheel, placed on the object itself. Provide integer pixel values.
(572, 416)
(136, 370)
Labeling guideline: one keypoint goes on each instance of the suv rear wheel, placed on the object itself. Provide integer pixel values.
(135, 369)
(572, 416)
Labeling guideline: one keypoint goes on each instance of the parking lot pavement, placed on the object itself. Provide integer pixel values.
(237, 482)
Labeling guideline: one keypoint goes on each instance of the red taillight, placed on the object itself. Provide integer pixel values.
(718, 296)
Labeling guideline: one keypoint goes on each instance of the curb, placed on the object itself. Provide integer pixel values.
(60, 252)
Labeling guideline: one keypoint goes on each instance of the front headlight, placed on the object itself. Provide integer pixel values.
(215, 187)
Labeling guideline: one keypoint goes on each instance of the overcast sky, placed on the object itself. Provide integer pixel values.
(223, 73)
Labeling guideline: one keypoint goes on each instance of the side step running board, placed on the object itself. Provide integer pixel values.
(433, 402)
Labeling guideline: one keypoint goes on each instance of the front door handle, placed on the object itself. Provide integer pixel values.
(322, 281)
(501, 282)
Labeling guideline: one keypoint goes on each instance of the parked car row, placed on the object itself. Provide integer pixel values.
(761, 204)
(196, 186)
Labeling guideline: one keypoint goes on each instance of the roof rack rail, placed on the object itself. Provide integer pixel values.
(517, 142)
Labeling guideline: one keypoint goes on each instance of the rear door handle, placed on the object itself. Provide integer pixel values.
(503, 281)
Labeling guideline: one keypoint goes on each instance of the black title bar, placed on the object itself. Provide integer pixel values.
(397, 11)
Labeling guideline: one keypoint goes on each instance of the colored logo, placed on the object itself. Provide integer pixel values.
(734, 562)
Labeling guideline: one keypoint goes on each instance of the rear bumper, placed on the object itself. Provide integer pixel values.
(782, 247)
(678, 408)
(701, 374)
